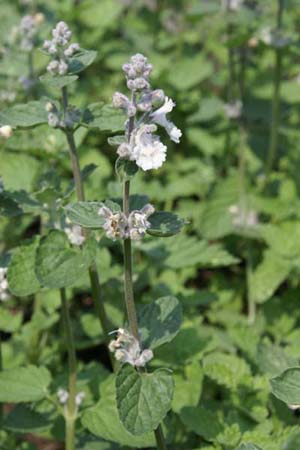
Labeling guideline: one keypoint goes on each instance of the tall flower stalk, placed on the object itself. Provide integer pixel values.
(145, 110)
(275, 120)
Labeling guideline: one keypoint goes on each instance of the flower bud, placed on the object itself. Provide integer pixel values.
(6, 131)
(120, 100)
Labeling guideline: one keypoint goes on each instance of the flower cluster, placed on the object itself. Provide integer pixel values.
(74, 233)
(72, 115)
(242, 217)
(60, 49)
(4, 293)
(6, 131)
(118, 226)
(127, 349)
(28, 29)
(233, 110)
(63, 396)
(145, 110)
(231, 5)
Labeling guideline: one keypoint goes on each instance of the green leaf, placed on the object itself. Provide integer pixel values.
(10, 321)
(116, 140)
(25, 115)
(268, 276)
(202, 422)
(185, 76)
(125, 169)
(60, 265)
(143, 399)
(226, 369)
(58, 81)
(21, 275)
(86, 172)
(85, 214)
(286, 386)
(160, 321)
(248, 446)
(283, 239)
(188, 387)
(104, 117)
(272, 359)
(23, 419)
(24, 384)
(81, 61)
(8, 206)
(103, 420)
(164, 224)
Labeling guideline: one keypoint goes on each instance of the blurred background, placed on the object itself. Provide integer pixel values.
(233, 69)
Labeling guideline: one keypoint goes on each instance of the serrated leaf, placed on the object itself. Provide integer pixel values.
(188, 387)
(286, 386)
(186, 251)
(58, 81)
(104, 117)
(283, 239)
(227, 370)
(24, 384)
(25, 115)
(160, 321)
(143, 399)
(85, 214)
(21, 276)
(60, 265)
(23, 419)
(272, 359)
(125, 169)
(268, 276)
(165, 224)
(103, 420)
(202, 422)
(81, 61)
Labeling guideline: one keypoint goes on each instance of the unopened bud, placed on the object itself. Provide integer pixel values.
(6, 131)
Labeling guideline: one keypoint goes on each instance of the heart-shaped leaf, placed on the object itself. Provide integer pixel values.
(103, 420)
(25, 115)
(21, 276)
(86, 214)
(143, 399)
(58, 264)
(160, 321)
(286, 386)
(164, 224)
(24, 384)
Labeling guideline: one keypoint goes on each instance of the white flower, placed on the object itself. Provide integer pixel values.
(233, 110)
(115, 224)
(242, 217)
(63, 396)
(6, 131)
(74, 233)
(160, 117)
(147, 150)
(138, 223)
(4, 293)
(73, 48)
(127, 349)
(79, 398)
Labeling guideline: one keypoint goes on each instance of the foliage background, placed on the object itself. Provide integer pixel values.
(222, 364)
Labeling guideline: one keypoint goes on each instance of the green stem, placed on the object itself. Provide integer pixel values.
(160, 440)
(1, 368)
(250, 299)
(71, 411)
(274, 135)
(129, 296)
(93, 273)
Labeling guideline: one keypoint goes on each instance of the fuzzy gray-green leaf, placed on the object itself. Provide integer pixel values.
(143, 399)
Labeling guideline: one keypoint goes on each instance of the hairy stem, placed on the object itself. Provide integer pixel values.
(275, 121)
(71, 411)
(93, 273)
(128, 283)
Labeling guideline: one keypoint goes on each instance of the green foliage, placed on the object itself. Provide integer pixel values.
(85, 214)
(286, 386)
(24, 116)
(143, 399)
(164, 224)
(24, 384)
(57, 265)
(160, 321)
